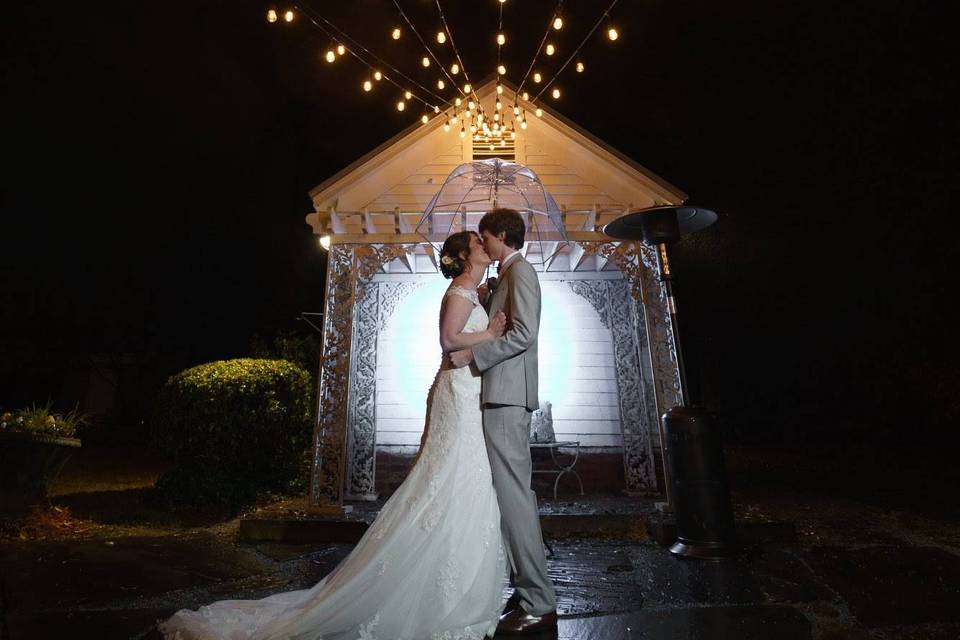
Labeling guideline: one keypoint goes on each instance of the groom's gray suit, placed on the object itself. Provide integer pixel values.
(509, 367)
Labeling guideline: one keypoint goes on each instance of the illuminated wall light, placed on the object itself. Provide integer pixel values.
(555, 93)
(501, 39)
(502, 70)
(580, 67)
(441, 84)
(551, 49)
(341, 49)
(271, 15)
(537, 77)
(377, 76)
(367, 85)
(401, 105)
(325, 242)
(558, 23)
(441, 37)
(330, 56)
(288, 16)
(396, 33)
(425, 61)
(612, 33)
(454, 68)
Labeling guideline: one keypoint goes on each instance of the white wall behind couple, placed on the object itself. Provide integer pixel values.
(577, 374)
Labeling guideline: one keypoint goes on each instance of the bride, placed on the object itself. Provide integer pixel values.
(432, 565)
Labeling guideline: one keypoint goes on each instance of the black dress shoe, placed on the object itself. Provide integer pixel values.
(519, 622)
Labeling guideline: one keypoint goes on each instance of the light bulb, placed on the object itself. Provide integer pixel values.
(502, 70)
(453, 120)
(492, 147)
(330, 56)
(424, 118)
(496, 117)
(502, 1)
(271, 15)
(446, 126)
(526, 96)
(471, 105)
(454, 68)
(288, 16)
(407, 95)
(558, 23)
(523, 124)
(458, 102)
(556, 93)
(441, 37)
(537, 77)
(441, 84)
(377, 76)
(325, 242)
(499, 105)
(341, 49)
(396, 33)
(516, 110)
(551, 49)
(501, 39)
(367, 85)
(463, 133)
(473, 128)
(513, 135)
(436, 109)
(612, 33)
(401, 106)
(499, 89)
(467, 88)
(425, 61)
(539, 112)
(580, 67)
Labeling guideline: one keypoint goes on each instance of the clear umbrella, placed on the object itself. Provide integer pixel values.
(476, 187)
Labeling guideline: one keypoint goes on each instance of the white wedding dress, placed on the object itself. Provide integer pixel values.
(432, 565)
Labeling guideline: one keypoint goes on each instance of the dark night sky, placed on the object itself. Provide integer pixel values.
(159, 155)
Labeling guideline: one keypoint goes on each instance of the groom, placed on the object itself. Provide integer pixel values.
(509, 368)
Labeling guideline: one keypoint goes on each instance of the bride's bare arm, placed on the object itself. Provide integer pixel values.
(454, 313)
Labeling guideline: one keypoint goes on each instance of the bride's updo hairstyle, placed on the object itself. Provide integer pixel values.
(451, 264)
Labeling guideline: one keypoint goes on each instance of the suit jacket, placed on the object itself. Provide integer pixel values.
(509, 363)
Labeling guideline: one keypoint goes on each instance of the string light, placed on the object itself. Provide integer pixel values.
(454, 68)
(377, 76)
(396, 33)
(580, 67)
(551, 49)
(471, 105)
(499, 89)
(501, 39)
(401, 105)
(367, 85)
(537, 77)
(467, 89)
(288, 16)
(516, 110)
(523, 123)
(558, 23)
(556, 93)
(539, 112)
(436, 109)
(526, 96)
(458, 101)
(341, 49)
(425, 61)
(499, 105)
(502, 70)
(612, 33)
(424, 118)
(463, 132)
(441, 37)
(407, 95)
(271, 15)
(441, 84)
(330, 56)
(446, 126)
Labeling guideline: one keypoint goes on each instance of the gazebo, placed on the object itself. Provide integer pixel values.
(608, 365)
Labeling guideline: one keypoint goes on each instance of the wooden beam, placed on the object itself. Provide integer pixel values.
(577, 254)
(336, 224)
(368, 225)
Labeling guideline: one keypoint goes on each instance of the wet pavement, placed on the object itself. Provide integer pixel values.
(896, 586)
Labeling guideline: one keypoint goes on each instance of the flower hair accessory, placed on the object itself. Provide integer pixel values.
(447, 260)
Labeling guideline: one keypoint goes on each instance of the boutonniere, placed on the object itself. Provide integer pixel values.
(492, 284)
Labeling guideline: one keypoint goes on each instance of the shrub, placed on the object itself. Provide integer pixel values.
(233, 429)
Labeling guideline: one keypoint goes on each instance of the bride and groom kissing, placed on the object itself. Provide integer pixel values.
(433, 564)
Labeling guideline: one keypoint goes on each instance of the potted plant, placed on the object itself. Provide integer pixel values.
(34, 445)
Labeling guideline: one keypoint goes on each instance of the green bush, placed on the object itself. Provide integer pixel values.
(233, 428)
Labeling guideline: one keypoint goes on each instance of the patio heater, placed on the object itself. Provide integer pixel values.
(692, 448)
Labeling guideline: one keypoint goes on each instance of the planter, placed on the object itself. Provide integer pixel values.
(29, 462)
